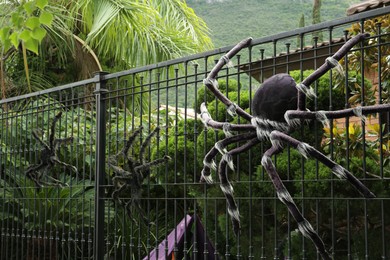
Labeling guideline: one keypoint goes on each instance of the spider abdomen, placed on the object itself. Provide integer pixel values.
(275, 96)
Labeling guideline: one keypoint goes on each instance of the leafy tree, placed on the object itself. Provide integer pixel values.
(23, 27)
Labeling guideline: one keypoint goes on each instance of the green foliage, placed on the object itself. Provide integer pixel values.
(68, 209)
(349, 141)
(48, 210)
(23, 25)
(155, 30)
(180, 145)
(222, 16)
(26, 25)
(370, 57)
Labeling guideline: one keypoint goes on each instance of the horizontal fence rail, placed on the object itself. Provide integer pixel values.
(110, 167)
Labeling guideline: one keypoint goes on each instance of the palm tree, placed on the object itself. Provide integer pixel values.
(135, 33)
(118, 34)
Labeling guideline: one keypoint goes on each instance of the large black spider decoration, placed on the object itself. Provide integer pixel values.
(131, 179)
(48, 157)
(278, 107)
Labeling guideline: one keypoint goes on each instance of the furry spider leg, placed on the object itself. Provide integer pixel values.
(306, 150)
(225, 184)
(284, 196)
(37, 176)
(324, 116)
(146, 142)
(147, 166)
(226, 127)
(48, 157)
(220, 147)
(331, 62)
(211, 83)
(40, 141)
(309, 151)
(126, 148)
(137, 174)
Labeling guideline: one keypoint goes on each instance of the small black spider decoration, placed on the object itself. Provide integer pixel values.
(130, 180)
(278, 107)
(48, 157)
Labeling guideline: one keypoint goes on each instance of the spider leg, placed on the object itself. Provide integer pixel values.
(331, 62)
(146, 143)
(226, 127)
(225, 184)
(119, 171)
(35, 177)
(293, 116)
(59, 141)
(211, 82)
(220, 147)
(119, 188)
(71, 167)
(147, 166)
(127, 145)
(36, 136)
(52, 129)
(307, 150)
(131, 140)
(284, 196)
(53, 181)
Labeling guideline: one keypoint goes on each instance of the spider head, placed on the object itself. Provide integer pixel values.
(275, 96)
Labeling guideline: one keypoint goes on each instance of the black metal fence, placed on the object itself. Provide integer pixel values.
(82, 219)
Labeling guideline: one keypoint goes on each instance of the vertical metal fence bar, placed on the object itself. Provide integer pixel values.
(301, 134)
(195, 252)
(384, 247)
(251, 174)
(205, 194)
(364, 165)
(379, 53)
(111, 101)
(100, 91)
(288, 45)
(185, 85)
(166, 187)
(331, 152)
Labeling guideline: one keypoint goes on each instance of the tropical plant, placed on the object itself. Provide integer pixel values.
(67, 34)
(51, 211)
(29, 28)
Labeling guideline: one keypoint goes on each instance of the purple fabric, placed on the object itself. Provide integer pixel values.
(177, 235)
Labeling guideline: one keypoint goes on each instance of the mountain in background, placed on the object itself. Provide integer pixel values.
(233, 20)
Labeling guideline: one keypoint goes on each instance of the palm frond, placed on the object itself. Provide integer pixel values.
(135, 33)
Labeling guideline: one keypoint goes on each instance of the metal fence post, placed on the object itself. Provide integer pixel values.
(100, 155)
